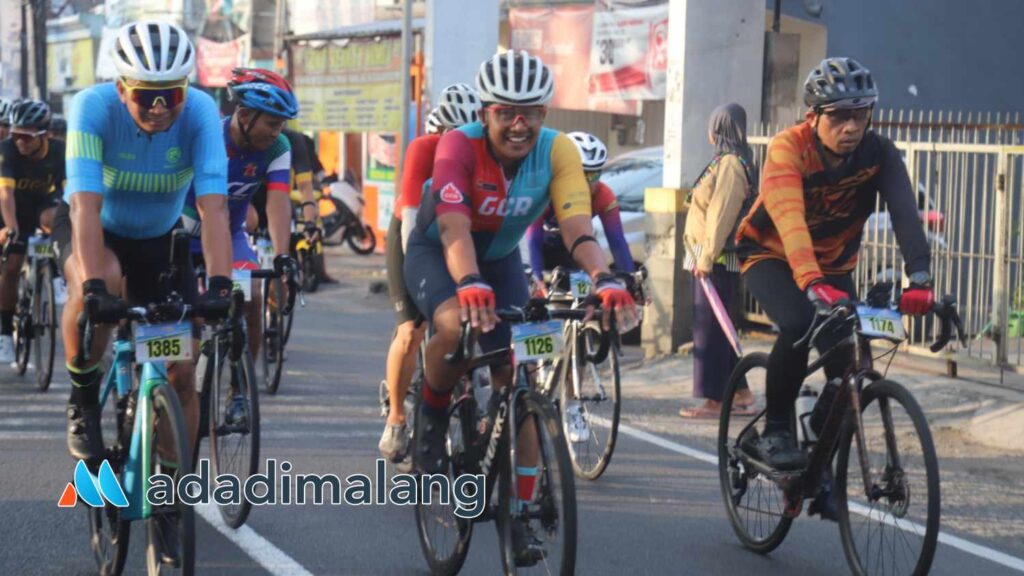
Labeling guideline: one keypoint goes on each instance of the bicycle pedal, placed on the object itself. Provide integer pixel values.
(792, 507)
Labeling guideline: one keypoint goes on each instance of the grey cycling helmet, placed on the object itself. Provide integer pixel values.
(5, 111)
(515, 79)
(840, 83)
(30, 114)
(152, 51)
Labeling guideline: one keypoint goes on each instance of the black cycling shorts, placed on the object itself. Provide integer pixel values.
(28, 207)
(430, 284)
(143, 262)
(401, 301)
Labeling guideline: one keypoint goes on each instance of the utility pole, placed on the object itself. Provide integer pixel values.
(403, 130)
(24, 50)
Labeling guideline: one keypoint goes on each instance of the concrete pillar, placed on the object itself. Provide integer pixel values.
(716, 53)
(459, 36)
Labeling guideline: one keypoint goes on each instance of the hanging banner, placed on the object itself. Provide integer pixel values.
(629, 53)
(10, 47)
(215, 60)
(354, 87)
(561, 38)
(311, 16)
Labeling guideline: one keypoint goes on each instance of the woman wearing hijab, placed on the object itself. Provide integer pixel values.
(719, 196)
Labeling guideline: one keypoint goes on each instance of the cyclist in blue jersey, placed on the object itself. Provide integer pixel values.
(134, 148)
(258, 155)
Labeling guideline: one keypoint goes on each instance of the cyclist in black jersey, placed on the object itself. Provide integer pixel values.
(31, 180)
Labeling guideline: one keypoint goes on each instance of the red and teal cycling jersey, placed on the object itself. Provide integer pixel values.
(416, 170)
(468, 180)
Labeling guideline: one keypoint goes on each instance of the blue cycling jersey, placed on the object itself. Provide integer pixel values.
(143, 177)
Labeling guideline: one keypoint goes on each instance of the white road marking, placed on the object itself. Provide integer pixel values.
(270, 557)
(947, 539)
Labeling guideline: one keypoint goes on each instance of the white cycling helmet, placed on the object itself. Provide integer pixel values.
(153, 51)
(434, 125)
(592, 151)
(516, 79)
(459, 105)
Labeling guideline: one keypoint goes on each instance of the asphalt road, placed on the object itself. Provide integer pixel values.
(655, 511)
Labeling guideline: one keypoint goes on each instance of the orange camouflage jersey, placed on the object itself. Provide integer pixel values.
(813, 217)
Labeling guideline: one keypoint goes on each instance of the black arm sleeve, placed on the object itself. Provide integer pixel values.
(901, 200)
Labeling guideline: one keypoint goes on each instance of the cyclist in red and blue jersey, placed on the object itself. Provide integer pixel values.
(546, 247)
(459, 105)
(258, 155)
(491, 180)
(134, 148)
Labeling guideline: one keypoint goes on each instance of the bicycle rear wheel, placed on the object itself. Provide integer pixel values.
(44, 314)
(444, 536)
(234, 445)
(272, 352)
(754, 504)
(551, 516)
(893, 526)
(170, 455)
(597, 403)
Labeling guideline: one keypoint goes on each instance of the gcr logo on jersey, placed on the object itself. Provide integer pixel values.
(492, 205)
(451, 194)
(93, 491)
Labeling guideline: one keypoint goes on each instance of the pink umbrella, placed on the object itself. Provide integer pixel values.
(721, 314)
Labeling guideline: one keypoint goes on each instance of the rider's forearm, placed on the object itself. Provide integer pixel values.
(309, 211)
(279, 219)
(87, 233)
(459, 251)
(216, 234)
(7, 207)
(588, 254)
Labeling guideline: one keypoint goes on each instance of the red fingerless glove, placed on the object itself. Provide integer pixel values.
(474, 291)
(612, 293)
(917, 300)
(825, 295)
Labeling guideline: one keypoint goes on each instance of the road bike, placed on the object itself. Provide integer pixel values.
(870, 429)
(35, 319)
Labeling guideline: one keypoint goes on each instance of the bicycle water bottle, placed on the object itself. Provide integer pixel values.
(824, 404)
(805, 403)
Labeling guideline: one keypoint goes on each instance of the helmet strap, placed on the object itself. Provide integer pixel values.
(246, 128)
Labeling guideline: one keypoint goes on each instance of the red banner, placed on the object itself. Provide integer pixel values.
(214, 61)
(561, 37)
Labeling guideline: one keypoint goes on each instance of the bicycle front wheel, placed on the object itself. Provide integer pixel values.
(590, 404)
(23, 323)
(44, 314)
(754, 504)
(234, 426)
(170, 455)
(546, 522)
(891, 524)
(272, 353)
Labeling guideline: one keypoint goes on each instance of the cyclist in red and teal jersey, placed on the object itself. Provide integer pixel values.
(258, 155)
(459, 105)
(491, 180)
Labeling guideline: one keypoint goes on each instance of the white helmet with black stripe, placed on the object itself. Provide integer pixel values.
(153, 51)
(593, 152)
(459, 105)
(434, 125)
(516, 79)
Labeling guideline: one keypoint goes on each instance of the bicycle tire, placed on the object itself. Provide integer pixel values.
(221, 435)
(440, 561)
(23, 331)
(307, 267)
(362, 239)
(272, 351)
(166, 406)
(108, 534)
(289, 320)
(582, 465)
(882, 392)
(731, 475)
(44, 311)
(554, 464)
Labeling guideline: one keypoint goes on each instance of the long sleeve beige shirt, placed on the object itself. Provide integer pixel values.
(714, 209)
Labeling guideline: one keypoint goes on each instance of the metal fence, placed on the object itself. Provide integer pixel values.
(968, 172)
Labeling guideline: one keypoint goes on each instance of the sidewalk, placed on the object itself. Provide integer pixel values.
(961, 412)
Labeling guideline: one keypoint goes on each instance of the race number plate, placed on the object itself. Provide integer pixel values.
(40, 248)
(881, 323)
(242, 279)
(537, 341)
(580, 284)
(163, 342)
